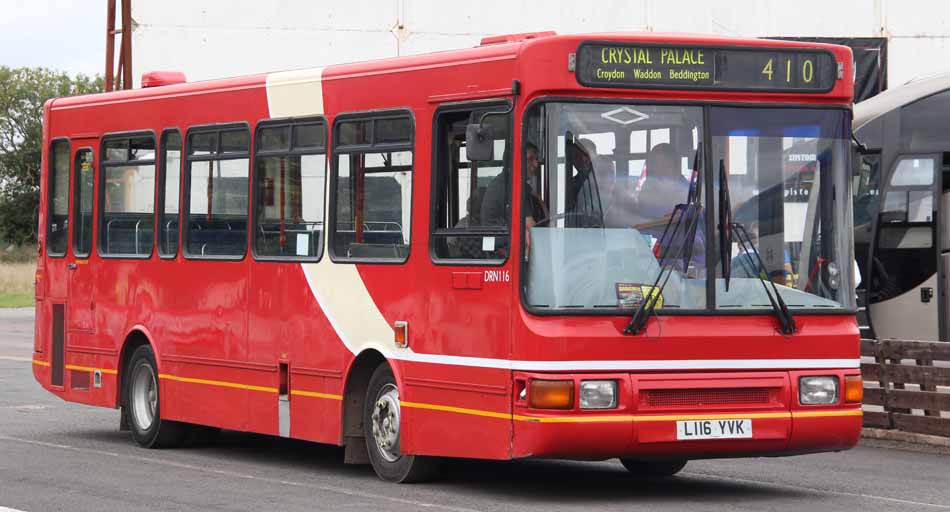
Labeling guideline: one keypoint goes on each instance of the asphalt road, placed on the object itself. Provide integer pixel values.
(60, 456)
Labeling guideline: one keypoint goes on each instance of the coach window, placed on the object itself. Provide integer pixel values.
(288, 198)
(57, 203)
(127, 196)
(463, 223)
(170, 164)
(372, 188)
(217, 189)
(82, 217)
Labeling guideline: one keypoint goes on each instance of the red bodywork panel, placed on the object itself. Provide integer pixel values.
(221, 328)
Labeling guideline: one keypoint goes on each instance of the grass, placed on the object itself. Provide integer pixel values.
(16, 300)
(16, 284)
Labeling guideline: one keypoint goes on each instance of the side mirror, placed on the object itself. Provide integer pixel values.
(479, 142)
(857, 150)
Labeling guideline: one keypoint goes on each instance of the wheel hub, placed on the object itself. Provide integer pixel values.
(385, 422)
(144, 397)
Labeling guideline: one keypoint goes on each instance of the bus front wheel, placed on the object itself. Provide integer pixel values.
(144, 404)
(381, 428)
(651, 468)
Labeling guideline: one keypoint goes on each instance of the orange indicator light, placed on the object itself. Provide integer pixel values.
(551, 394)
(853, 389)
(401, 333)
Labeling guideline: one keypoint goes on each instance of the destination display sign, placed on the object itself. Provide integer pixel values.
(704, 67)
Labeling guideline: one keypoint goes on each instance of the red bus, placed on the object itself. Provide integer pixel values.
(580, 246)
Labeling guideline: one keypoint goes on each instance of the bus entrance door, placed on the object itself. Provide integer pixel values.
(903, 298)
(80, 305)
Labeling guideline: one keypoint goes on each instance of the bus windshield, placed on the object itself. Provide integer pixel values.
(602, 183)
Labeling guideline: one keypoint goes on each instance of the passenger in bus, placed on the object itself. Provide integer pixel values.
(664, 186)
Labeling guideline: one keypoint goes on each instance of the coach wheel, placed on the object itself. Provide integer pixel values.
(381, 428)
(144, 404)
(648, 468)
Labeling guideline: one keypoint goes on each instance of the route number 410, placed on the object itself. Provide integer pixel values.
(807, 71)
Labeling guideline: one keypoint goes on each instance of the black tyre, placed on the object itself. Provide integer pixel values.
(381, 424)
(143, 404)
(653, 468)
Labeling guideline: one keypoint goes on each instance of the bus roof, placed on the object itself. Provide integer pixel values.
(874, 107)
(491, 49)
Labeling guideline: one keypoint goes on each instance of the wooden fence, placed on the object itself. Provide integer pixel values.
(913, 379)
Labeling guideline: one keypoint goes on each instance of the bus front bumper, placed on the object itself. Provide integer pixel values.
(688, 415)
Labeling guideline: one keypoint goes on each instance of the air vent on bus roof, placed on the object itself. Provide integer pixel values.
(160, 78)
(514, 38)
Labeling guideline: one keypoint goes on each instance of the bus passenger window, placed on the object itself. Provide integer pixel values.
(57, 204)
(288, 190)
(127, 196)
(471, 200)
(171, 174)
(373, 189)
(217, 189)
(82, 220)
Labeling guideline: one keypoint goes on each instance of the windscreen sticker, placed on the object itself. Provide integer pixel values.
(631, 295)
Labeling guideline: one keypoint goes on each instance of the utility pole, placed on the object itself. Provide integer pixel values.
(121, 78)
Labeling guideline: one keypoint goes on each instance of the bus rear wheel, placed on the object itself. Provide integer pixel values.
(381, 428)
(653, 468)
(144, 404)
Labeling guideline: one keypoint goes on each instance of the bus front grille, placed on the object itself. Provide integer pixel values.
(698, 397)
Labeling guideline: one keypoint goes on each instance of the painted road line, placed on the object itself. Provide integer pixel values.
(832, 492)
(19, 360)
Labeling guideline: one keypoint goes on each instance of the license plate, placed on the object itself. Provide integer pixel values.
(713, 429)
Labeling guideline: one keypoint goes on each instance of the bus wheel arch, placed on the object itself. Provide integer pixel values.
(354, 395)
(383, 431)
(135, 339)
(144, 403)
(163, 433)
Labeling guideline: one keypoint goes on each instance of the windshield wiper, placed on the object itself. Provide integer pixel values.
(785, 318)
(691, 211)
(726, 228)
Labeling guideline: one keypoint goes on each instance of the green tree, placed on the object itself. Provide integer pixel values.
(23, 91)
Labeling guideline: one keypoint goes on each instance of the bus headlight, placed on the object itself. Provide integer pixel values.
(818, 390)
(598, 394)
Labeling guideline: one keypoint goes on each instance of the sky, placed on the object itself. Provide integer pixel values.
(59, 34)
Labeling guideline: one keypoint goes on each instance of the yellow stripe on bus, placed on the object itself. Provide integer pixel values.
(88, 369)
(235, 385)
(218, 383)
(77, 367)
(460, 410)
(627, 417)
(314, 394)
(819, 414)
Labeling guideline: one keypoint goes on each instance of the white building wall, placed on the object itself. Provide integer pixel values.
(219, 38)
